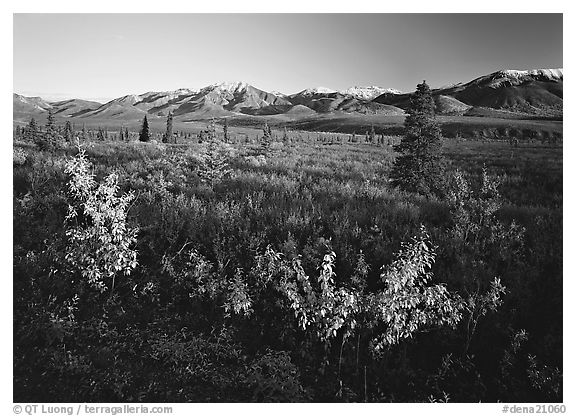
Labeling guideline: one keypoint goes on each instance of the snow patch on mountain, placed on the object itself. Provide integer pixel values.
(229, 86)
(316, 91)
(517, 77)
(368, 93)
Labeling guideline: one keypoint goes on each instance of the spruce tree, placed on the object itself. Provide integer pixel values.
(51, 139)
(68, 132)
(266, 138)
(50, 123)
(214, 160)
(145, 132)
(169, 136)
(419, 167)
(31, 130)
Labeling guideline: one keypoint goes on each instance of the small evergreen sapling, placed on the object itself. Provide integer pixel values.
(214, 160)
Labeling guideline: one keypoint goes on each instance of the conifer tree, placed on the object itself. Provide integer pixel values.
(51, 138)
(372, 135)
(145, 132)
(266, 138)
(419, 167)
(32, 129)
(214, 161)
(68, 132)
(50, 123)
(169, 136)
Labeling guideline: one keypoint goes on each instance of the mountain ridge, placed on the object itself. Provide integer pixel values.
(532, 91)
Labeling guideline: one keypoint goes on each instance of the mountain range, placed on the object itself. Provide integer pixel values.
(531, 92)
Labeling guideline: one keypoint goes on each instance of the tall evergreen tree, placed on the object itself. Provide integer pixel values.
(211, 130)
(68, 132)
(266, 138)
(145, 132)
(419, 167)
(169, 136)
(51, 122)
(31, 129)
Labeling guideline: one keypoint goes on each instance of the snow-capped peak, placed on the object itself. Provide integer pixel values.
(516, 77)
(317, 90)
(552, 74)
(229, 86)
(368, 93)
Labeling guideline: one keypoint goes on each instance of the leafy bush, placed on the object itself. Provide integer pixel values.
(19, 156)
(99, 238)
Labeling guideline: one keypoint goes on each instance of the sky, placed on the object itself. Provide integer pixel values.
(104, 56)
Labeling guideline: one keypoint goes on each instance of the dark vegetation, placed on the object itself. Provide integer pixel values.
(283, 266)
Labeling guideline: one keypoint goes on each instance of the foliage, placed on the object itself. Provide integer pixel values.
(48, 140)
(99, 238)
(214, 313)
(19, 156)
(404, 305)
(168, 136)
(68, 131)
(419, 167)
(214, 162)
(145, 131)
(274, 378)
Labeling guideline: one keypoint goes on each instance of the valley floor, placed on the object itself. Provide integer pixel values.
(210, 311)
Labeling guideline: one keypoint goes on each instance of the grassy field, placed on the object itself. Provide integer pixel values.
(154, 341)
(337, 123)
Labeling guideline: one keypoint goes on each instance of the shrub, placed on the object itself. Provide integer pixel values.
(19, 156)
(99, 239)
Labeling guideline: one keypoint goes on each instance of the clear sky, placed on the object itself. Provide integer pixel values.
(103, 56)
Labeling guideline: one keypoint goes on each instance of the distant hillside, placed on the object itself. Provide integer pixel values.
(537, 92)
(507, 93)
(29, 105)
(74, 107)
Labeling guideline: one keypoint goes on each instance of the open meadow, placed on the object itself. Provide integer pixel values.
(219, 302)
